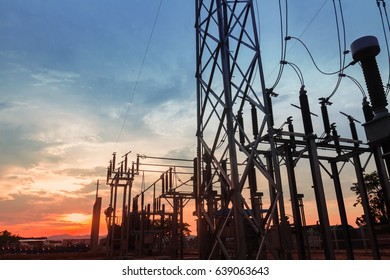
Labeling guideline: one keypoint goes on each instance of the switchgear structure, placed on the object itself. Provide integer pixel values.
(237, 173)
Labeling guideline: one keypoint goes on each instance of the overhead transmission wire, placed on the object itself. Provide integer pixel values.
(286, 38)
(385, 35)
(283, 42)
(357, 84)
(341, 46)
(140, 71)
(298, 72)
(314, 62)
(258, 36)
(342, 53)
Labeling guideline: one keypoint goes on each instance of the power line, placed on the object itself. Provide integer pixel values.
(341, 52)
(283, 41)
(140, 71)
(302, 33)
(313, 60)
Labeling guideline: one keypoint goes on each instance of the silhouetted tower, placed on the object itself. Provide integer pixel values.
(97, 208)
(234, 124)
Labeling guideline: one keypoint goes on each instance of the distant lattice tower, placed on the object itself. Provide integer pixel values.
(234, 128)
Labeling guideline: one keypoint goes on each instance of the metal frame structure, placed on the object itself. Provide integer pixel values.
(230, 82)
(238, 148)
(121, 177)
(143, 220)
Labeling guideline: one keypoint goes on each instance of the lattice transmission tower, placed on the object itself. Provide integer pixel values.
(235, 135)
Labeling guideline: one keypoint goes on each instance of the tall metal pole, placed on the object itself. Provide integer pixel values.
(366, 207)
(295, 204)
(129, 227)
(174, 226)
(316, 176)
(124, 233)
(342, 212)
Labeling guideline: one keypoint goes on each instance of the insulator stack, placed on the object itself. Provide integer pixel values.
(255, 123)
(224, 186)
(195, 178)
(336, 139)
(125, 166)
(305, 110)
(135, 204)
(374, 84)
(291, 130)
(241, 133)
(367, 110)
(162, 184)
(325, 115)
(271, 112)
(163, 211)
(365, 50)
(109, 172)
(354, 134)
(170, 179)
(166, 182)
(207, 173)
(113, 161)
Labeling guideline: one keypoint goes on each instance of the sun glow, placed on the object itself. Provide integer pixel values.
(77, 218)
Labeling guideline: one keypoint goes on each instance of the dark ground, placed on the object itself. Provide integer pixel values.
(314, 255)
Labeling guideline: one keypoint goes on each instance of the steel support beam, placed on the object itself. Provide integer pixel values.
(229, 77)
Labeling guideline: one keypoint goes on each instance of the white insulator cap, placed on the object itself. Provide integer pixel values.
(363, 47)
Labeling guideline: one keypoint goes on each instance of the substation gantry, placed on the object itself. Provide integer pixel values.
(237, 183)
(152, 221)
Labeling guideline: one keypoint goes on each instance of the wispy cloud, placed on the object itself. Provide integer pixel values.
(54, 77)
(172, 119)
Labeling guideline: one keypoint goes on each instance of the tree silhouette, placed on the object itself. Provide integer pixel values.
(8, 237)
(375, 198)
(156, 224)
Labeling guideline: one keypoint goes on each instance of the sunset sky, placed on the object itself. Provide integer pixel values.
(70, 71)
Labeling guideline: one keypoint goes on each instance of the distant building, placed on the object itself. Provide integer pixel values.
(33, 243)
(75, 242)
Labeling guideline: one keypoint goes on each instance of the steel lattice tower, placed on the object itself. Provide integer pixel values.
(231, 102)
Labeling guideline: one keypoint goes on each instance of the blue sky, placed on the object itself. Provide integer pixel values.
(69, 71)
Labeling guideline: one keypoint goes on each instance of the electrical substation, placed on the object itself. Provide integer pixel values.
(235, 186)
